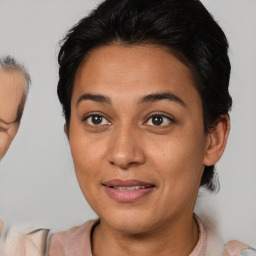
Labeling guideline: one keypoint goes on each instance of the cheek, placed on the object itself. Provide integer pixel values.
(13, 130)
(6, 138)
(88, 153)
(5, 142)
(179, 161)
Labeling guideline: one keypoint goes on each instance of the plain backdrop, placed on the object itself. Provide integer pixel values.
(37, 180)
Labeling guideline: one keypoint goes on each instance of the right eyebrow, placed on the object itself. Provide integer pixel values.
(93, 97)
(6, 123)
(18, 114)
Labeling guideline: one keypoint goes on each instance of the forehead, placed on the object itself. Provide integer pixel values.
(126, 74)
(12, 89)
(118, 70)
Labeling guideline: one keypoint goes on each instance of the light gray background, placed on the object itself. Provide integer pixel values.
(37, 181)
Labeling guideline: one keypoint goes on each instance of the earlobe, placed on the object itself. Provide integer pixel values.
(217, 140)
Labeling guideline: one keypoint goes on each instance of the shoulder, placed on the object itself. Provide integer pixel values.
(23, 242)
(237, 248)
(74, 241)
(216, 246)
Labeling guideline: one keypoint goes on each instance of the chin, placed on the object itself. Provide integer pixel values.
(130, 222)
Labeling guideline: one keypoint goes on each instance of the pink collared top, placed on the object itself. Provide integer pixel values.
(200, 248)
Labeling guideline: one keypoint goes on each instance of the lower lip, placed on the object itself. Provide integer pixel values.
(127, 196)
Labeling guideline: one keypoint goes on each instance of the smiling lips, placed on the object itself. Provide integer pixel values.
(127, 190)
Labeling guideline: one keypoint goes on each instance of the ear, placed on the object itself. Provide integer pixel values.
(217, 140)
(66, 129)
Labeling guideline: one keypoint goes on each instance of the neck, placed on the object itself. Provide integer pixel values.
(177, 237)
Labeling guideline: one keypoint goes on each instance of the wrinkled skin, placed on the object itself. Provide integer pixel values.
(12, 89)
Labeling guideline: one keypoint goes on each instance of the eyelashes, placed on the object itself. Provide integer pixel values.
(2, 129)
(96, 120)
(158, 120)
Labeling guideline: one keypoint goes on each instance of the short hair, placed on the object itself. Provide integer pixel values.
(8, 63)
(185, 27)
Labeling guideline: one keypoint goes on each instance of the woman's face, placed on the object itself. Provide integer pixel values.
(137, 136)
(12, 88)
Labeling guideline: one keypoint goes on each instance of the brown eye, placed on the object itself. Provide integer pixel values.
(96, 120)
(159, 120)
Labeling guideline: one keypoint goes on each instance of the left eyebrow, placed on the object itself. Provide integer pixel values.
(151, 98)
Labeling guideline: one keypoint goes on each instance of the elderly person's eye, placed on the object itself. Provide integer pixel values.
(2, 129)
(159, 120)
(96, 120)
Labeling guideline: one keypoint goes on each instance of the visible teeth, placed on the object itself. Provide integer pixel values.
(129, 188)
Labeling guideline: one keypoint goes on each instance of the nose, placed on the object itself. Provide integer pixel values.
(125, 149)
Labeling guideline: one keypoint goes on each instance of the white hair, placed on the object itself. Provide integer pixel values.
(9, 63)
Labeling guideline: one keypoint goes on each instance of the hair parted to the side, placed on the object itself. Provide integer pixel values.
(185, 27)
(8, 63)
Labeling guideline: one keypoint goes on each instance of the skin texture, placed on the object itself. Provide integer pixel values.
(128, 145)
(12, 89)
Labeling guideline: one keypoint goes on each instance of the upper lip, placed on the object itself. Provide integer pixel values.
(127, 183)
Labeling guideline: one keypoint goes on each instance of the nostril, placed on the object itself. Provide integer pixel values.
(112, 163)
(124, 165)
(132, 164)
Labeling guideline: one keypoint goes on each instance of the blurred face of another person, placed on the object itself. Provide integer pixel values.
(12, 89)
(137, 138)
